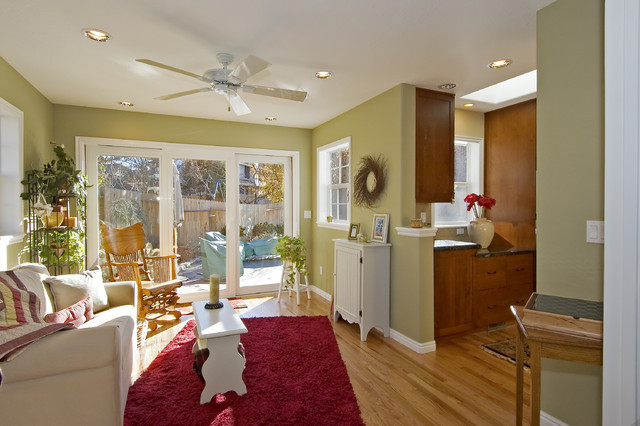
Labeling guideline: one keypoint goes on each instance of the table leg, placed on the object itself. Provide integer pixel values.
(535, 365)
(222, 371)
(519, 376)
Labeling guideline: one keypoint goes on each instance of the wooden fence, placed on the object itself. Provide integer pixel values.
(200, 216)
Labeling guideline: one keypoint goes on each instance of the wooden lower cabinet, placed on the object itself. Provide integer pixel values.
(453, 278)
(472, 292)
(499, 282)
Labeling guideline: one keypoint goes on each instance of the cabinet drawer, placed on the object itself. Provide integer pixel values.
(520, 269)
(491, 306)
(490, 272)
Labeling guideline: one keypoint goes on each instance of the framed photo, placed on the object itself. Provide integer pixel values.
(354, 228)
(380, 227)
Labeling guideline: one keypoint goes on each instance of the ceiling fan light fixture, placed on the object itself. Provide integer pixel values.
(96, 35)
(500, 63)
(323, 75)
(448, 86)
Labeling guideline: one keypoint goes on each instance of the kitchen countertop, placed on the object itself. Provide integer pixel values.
(446, 245)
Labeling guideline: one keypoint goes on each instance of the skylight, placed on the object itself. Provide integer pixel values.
(507, 90)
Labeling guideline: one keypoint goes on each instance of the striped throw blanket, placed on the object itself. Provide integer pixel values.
(20, 320)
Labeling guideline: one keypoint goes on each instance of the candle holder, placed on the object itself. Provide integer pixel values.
(213, 305)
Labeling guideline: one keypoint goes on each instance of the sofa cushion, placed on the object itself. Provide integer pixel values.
(76, 314)
(69, 289)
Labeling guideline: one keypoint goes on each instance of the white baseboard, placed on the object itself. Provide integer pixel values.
(421, 348)
(320, 292)
(549, 420)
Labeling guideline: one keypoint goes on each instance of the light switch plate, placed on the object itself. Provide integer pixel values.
(307, 214)
(595, 231)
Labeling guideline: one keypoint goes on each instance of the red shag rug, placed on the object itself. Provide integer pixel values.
(294, 376)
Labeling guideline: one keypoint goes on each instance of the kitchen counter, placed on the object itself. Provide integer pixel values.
(446, 245)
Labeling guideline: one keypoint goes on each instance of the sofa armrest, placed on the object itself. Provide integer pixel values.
(63, 352)
(121, 293)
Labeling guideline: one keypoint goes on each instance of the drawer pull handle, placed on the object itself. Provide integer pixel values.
(491, 306)
(492, 273)
(519, 269)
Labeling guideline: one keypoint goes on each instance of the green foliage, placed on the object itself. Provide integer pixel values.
(126, 212)
(59, 175)
(293, 250)
(63, 248)
(264, 230)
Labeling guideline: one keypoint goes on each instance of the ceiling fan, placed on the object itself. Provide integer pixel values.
(225, 81)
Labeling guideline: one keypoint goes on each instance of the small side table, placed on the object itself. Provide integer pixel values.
(219, 331)
(554, 338)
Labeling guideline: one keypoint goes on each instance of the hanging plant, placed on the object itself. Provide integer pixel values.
(370, 180)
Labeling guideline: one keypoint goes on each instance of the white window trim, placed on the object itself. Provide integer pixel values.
(321, 192)
(11, 173)
(480, 142)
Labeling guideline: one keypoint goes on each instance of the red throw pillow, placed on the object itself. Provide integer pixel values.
(76, 314)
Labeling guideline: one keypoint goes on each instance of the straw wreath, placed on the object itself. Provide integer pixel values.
(368, 165)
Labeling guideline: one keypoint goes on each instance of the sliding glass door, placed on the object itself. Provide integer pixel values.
(220, 210)
(264, 214)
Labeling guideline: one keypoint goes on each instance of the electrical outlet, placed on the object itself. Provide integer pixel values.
(321, 270)
(307, 214)
(459, 231)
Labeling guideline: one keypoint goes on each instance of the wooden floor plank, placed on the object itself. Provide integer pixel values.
(458, 384)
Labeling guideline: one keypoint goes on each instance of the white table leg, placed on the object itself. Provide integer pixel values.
(222, 371)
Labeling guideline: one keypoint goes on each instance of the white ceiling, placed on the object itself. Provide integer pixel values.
(369, 45)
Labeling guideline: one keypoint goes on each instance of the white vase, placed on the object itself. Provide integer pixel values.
(481, 231)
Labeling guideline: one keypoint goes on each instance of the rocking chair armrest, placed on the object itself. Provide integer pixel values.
(166, 256)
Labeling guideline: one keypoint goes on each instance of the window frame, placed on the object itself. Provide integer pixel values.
(324, 185)
(469, 183)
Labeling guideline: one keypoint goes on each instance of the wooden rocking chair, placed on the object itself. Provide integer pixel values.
(155, 276)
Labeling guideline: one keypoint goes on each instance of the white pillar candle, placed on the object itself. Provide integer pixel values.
(214, 289)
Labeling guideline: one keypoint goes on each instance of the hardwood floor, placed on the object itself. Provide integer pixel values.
(458, 384)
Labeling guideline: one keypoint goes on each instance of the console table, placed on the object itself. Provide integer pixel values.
(560, 334)
(219, 331)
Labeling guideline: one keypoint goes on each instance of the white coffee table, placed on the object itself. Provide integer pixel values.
(219, 331)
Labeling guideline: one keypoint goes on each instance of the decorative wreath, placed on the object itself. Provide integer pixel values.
(366, 195)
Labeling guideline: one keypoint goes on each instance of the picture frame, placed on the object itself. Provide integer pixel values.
(354, 229)
(380, 227)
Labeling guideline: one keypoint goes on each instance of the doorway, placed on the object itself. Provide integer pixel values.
(221, 209)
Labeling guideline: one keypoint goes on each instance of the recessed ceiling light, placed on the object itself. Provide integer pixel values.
(95, 34)
(323, 74)
(126, 103)
(500, 63)
(270, 118)
(469, 105)
(447, 86)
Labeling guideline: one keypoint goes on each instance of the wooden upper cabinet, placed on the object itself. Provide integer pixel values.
(434, 146)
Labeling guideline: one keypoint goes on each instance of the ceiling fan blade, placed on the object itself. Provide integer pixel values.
(237, 104)
(169, 67)
(250, 66)
(185, 93)
(294, 95)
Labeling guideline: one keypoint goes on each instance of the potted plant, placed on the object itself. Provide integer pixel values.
(48, 191)
(293, 251)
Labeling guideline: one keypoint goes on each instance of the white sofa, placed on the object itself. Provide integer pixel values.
(75, 376)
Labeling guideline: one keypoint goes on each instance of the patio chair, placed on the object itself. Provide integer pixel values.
(156, 276)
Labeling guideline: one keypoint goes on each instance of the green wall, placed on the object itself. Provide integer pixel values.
(383, 125)
(570, 185)
(38, 126)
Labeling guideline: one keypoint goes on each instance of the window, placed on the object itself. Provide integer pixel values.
(467, 179)
(11, 134)
(334, 183)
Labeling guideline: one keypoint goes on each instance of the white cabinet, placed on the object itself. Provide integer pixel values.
(361, 284)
